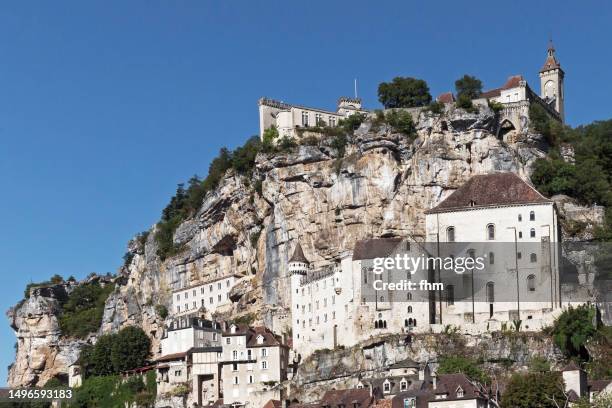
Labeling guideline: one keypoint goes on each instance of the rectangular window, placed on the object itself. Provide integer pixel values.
(264, 352)
(228, 340)
(304, 119)
(264, 365)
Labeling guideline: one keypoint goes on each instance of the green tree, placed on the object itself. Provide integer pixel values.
(468, 86)
(404, 92)
(130, 349)
(542, 390)
(573, 328)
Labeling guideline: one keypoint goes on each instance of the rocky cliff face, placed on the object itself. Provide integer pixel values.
(41, 351)
(380, 187)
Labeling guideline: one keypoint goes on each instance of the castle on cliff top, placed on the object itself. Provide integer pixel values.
(516, 96)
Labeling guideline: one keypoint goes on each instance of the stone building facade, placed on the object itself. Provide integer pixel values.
(503, 219)
(289, 119)
(253, 363)
(206, 296)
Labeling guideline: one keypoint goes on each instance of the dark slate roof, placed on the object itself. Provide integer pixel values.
(374, 248)
(408, 363)
(598, 385)
(298, 255)
(449, 384)
(347, 398)
(251, 333)
(491, 190)
(422, 398)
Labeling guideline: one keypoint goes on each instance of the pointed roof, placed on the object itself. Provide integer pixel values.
(298, 255)
(571, 366)
(487, 190)
(551, 60)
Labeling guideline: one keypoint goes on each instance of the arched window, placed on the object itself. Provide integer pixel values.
(531, 283)
(376, 324)
(533, 258)
(385, 324)
(450, 234)
(531, 215)
(382, 298)
(450, 295)
(491, 258)
(405, 322)
(414, 322)
(408, 296)
(490, 232)
(490, 292)
(532, 233)
(520, 217)
(409, 309)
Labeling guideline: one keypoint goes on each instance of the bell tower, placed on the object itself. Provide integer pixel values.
(551, 82)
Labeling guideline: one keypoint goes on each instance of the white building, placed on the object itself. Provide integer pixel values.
(336, 305)
(190, 355)
(503, 219)
(205, 296)
(288, 119)
(253, 363)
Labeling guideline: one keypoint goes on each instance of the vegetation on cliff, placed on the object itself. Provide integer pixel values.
(128, 349)
(83, 309)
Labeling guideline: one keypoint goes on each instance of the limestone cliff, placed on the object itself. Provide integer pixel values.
(380, 187)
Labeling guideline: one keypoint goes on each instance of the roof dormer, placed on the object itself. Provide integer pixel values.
(260, 339)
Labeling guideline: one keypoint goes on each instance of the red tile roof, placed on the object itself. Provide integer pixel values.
(272, 404)
(446, 97)
(513, 82)
(489, 190)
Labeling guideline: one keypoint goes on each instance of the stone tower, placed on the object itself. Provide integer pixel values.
(298, 266)
(551, 82)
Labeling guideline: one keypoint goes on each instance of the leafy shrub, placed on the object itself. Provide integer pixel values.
(453, 364)
(162, 311)
(269, 135)
(572, 329)
(401, 121)
(350, 124)
(339, 143)
(436, 107)
(404, 92)
(465, 102)
(286, 144)
(254, 238)
(496, 107)
(82, 311)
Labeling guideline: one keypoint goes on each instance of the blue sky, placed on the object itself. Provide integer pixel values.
(105, 106)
